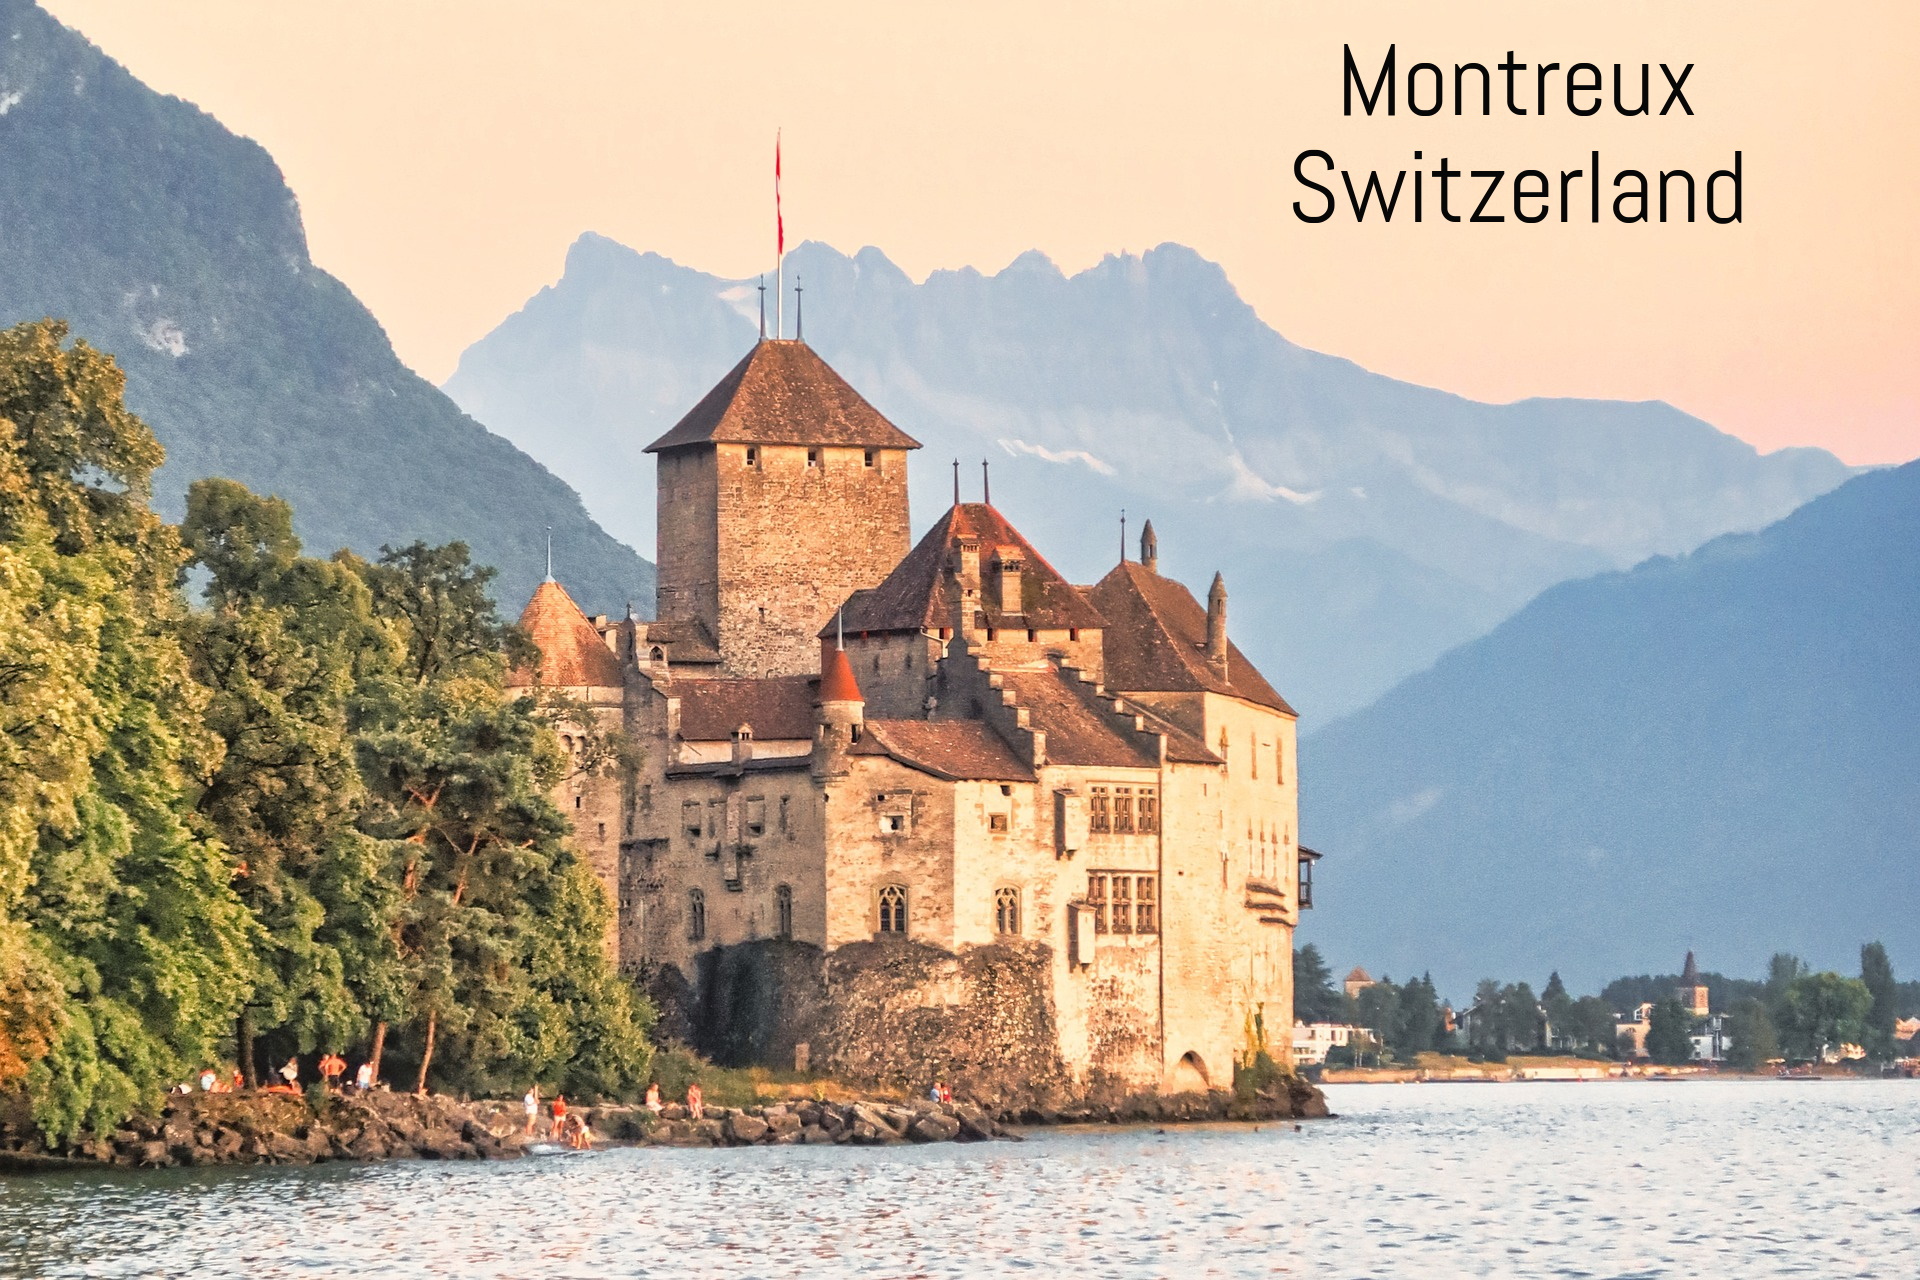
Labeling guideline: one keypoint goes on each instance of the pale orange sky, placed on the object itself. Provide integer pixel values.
(445, 154)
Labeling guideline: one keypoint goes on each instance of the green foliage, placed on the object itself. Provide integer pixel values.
(1315, 998)
(131, 938)
(311, 802)
(1257, 1075)
(1822, 1011)
(1668, 1034)
(1876, 971)
(1753, 1043)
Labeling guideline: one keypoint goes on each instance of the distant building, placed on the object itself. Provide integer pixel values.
(1710, 1038)
(1313, 1040)
(1630, 1031)
(1690, 991)
(1357, 981)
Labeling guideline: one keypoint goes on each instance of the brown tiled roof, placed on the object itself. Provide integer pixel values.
(685, 640)
(920, 592)
(783, 393)
(1156, 641)
(572, 654)
(776, 707)
(1078, 730)
(951, 749)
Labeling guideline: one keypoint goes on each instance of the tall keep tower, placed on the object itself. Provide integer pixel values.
(780, 494)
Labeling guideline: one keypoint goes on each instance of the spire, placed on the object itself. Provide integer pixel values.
(763, 306)
(1149, 548)
(1690, 974)
(1123, 535)
(986, 486)
(956, 482)
(840, 629)
(799, 315)
(549, 553)
(1217, 626)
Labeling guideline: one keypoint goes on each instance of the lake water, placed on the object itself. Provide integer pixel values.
(1430, 1181)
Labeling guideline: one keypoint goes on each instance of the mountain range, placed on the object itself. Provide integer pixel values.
(1365, 525)
(168, 241)
(1717, 752)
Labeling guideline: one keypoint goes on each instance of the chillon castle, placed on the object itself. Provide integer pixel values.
(916, 811)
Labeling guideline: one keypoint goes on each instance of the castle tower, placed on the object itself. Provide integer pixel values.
(780, 494)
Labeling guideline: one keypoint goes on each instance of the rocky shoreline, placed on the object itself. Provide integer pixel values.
(290, 1129)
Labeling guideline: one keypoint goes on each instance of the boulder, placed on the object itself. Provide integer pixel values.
(155, 1155)
(934, 1127)
(745, 1129)
(783, 1122)
(813, 1135)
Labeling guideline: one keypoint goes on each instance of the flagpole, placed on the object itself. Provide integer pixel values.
(780, 247)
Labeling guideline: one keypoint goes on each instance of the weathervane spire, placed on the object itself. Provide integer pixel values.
(763, 306)
(956, 482)
(799, 314)
(549, 553)
(779, 247)
(1123, 535)
(986, 485)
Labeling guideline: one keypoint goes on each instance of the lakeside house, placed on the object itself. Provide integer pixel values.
(1312, 1041)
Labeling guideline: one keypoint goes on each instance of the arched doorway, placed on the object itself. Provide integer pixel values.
(1190, 1074)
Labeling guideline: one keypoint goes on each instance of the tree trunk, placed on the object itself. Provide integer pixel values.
(426, 1056)
(379, 1047)
(243, 1050)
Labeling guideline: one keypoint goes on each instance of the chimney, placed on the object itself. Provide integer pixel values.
(966, 562)
(1007, 566)
(1149, 549)
(1217, 626)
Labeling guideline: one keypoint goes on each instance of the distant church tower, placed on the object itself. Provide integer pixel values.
(1690, 991)
(781, 494)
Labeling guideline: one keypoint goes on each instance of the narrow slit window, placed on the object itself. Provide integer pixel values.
(1006, 911)
(783, 911)
(696, 915)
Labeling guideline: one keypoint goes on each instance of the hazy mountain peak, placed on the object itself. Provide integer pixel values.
(1382, 521)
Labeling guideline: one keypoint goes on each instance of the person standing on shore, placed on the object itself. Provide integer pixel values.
(363, 1078)
(696, 1102)
(653, 1103)
(291, 1072)
(532, 1103)
(559, 1127)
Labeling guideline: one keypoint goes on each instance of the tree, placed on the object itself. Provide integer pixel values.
(499, 925)
(1591, 1024)
(1486, 1032)
(122, 944)
(1520, 1021)
(1876, 971)
(1377, 1008)
(1315, 998)
(1417, 1022)
(1751, 1035)
(1823, 1011)
(281, 651)
(1669, 1039)
(1557, 1005)
(1783, 969)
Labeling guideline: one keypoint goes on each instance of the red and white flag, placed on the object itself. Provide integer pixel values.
(779, 221)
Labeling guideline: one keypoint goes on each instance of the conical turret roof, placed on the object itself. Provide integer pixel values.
(836, 682)
(572, 654)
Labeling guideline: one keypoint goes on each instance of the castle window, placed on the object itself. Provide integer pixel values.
(690, 818)
(659, 654)
(1032, 635)
(1279, 763)
(783, 911)
(869, 458)
(1147, 812)
(1006, 911)
(696, 915)
(1100, 810)
(992, 633)
(1097, 899)
(997, 822)
(893, 908)
(1146, 915)
(756, 815)
(1073, 633)
(786, 827)
(1123, 809)
(813, 457)
(1253, 754)
(909, 660)
(1223, 747)
(603, 831)
(579, 801)
(1120, 907)
(646, 797)
(753, 455)
(893, 824)
(876, 664)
